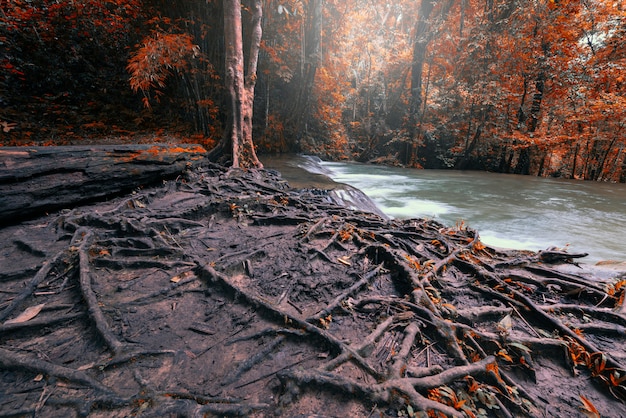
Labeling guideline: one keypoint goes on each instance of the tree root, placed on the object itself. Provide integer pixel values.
(93, 308)
(287, 317)
(235, 375)
(12, 360)
(41, 275)
(384, 392)
(367, 277)
(39, 323)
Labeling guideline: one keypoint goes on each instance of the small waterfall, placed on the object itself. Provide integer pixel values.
(353, 198)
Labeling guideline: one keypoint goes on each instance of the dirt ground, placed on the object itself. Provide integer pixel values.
(227, 293)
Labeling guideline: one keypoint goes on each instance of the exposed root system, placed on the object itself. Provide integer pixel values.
(225, 293)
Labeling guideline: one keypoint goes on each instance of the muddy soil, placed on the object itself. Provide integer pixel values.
(227, 293)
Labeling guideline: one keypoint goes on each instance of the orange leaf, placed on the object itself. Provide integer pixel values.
(616, 379)
(493, 367)
(503, 354)
(459, 404)
(588, 408)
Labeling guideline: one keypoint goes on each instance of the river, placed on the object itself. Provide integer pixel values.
(508, 211)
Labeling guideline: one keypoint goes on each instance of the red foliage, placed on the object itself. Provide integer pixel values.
(157, 57)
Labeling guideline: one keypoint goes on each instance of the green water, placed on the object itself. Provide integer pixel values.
(509, 211)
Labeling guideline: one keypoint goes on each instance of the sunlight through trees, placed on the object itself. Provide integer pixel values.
(511, 86)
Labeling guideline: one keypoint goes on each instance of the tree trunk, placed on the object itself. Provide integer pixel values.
(250, 84)
(299, 107)
(419, 54)
(574, 161)
(417, 68)
(603, 161)
(469, 148)
(536, 105)
(521, 115)
(542, 163)
(523, 162)
(240, 90)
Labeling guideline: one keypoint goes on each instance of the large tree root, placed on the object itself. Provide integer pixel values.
(95, 313)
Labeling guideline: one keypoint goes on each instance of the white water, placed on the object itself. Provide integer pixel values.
(508, 211)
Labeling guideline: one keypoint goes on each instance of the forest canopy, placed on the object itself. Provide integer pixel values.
(527, 87)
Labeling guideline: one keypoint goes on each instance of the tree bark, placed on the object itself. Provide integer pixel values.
(250, 84)
(35, 180)
(523, 162)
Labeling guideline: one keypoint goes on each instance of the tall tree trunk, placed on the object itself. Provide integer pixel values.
(239, 85)
(604, 160)
(419, 54)
(299, 107)
(469, 148)
(523, 162)
(535, 108)
(521, 115)
(542, 163)
(574, 161)
(420, 46)
(250, 83)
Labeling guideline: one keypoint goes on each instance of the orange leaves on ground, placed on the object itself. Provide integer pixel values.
(446, 395)
(503, 354)
(617, 290)
(596, 363)
(577, 352)
(493, 368)
(345, 233)
(326, 321)
(414, 264)
(616, 378)
(462, 400)
(478, 246)
(588, 408)
(195, 149)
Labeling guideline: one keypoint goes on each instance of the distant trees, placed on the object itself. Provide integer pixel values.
(529, 87)
(60, 55)
(64, 46)
(523, 87)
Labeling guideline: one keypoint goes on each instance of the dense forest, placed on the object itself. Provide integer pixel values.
(527, 87)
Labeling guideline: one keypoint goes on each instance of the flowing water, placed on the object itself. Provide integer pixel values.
(508, 211)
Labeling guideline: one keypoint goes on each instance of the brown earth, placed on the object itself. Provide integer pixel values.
(226, 293)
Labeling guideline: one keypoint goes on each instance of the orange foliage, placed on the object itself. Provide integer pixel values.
(155, 60)
(528, 87)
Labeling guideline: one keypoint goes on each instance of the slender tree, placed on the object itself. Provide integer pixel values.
(422, 32)
(311, 59)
